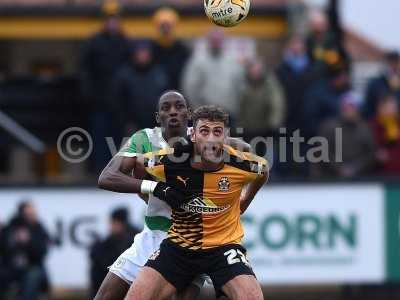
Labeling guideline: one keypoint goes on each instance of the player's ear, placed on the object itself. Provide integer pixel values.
(157, 117)
(192, 135)
(227, 132)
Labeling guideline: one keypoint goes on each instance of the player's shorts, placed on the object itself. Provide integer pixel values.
(180, 266)
(129, 263)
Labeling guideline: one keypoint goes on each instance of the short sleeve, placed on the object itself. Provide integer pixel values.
(137, 143)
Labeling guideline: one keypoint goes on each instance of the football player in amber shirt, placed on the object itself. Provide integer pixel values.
(204, 190)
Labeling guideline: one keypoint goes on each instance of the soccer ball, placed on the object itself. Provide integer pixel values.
(226, 13)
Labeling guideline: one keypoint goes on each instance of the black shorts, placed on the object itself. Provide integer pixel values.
(180, 266)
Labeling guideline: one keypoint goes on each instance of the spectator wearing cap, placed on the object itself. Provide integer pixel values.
(137, 87)
(386, 129)
(25, 244)
(102, 55)
(356, 140)
(388, 82)
(169, 52)
(104, 252)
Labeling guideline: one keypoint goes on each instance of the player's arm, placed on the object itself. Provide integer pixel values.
(238, 144)
(118, 175)
(251, 189)
(123, 172)
(115, 178)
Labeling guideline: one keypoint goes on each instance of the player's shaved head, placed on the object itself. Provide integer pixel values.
(171, 95)
(173, 114)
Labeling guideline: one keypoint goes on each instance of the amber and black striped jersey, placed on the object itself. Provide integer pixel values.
(211, 215)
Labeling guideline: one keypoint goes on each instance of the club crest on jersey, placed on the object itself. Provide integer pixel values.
(223, 184)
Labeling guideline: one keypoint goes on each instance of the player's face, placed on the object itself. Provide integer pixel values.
(208, 138)
(173, 113)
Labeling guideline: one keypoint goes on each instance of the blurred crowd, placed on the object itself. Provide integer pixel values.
(25, 244)
(309, 92)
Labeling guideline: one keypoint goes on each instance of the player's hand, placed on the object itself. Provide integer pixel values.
(182, 146)
(172, 196)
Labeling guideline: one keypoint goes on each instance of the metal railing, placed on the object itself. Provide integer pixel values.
(21, 134)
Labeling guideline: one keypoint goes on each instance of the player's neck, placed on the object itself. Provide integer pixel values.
(170, 134)
(206, 166)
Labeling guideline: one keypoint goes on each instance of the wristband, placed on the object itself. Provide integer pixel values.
(147, 186)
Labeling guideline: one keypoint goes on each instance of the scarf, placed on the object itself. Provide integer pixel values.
(391, 128)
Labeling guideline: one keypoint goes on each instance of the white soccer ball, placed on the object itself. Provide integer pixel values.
(227, 13)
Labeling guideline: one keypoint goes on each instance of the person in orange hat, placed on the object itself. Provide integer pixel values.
(170, 52)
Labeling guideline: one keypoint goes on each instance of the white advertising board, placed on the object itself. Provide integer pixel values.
(294, 234)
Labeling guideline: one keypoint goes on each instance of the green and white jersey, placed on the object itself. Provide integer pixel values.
(158, 213)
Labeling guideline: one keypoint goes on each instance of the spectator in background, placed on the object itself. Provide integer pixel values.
(25, 246)
(103, 253)
(262, 102)
(357, 142)
(137, 86)
(387, 82)
(386, 129)
(322, 101)
(169, 52)
(325, 45)
(213, 77)
(102, 56)
(295, 75)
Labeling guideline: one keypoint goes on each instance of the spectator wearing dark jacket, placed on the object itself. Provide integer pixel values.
(102, 56)
(385, 83)
(322, 101)
(386, 129)
(103, 253)
(137, 86)
(325, 43)
(295, 76)
(25, 245)
(357, 151)
(169, 52)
